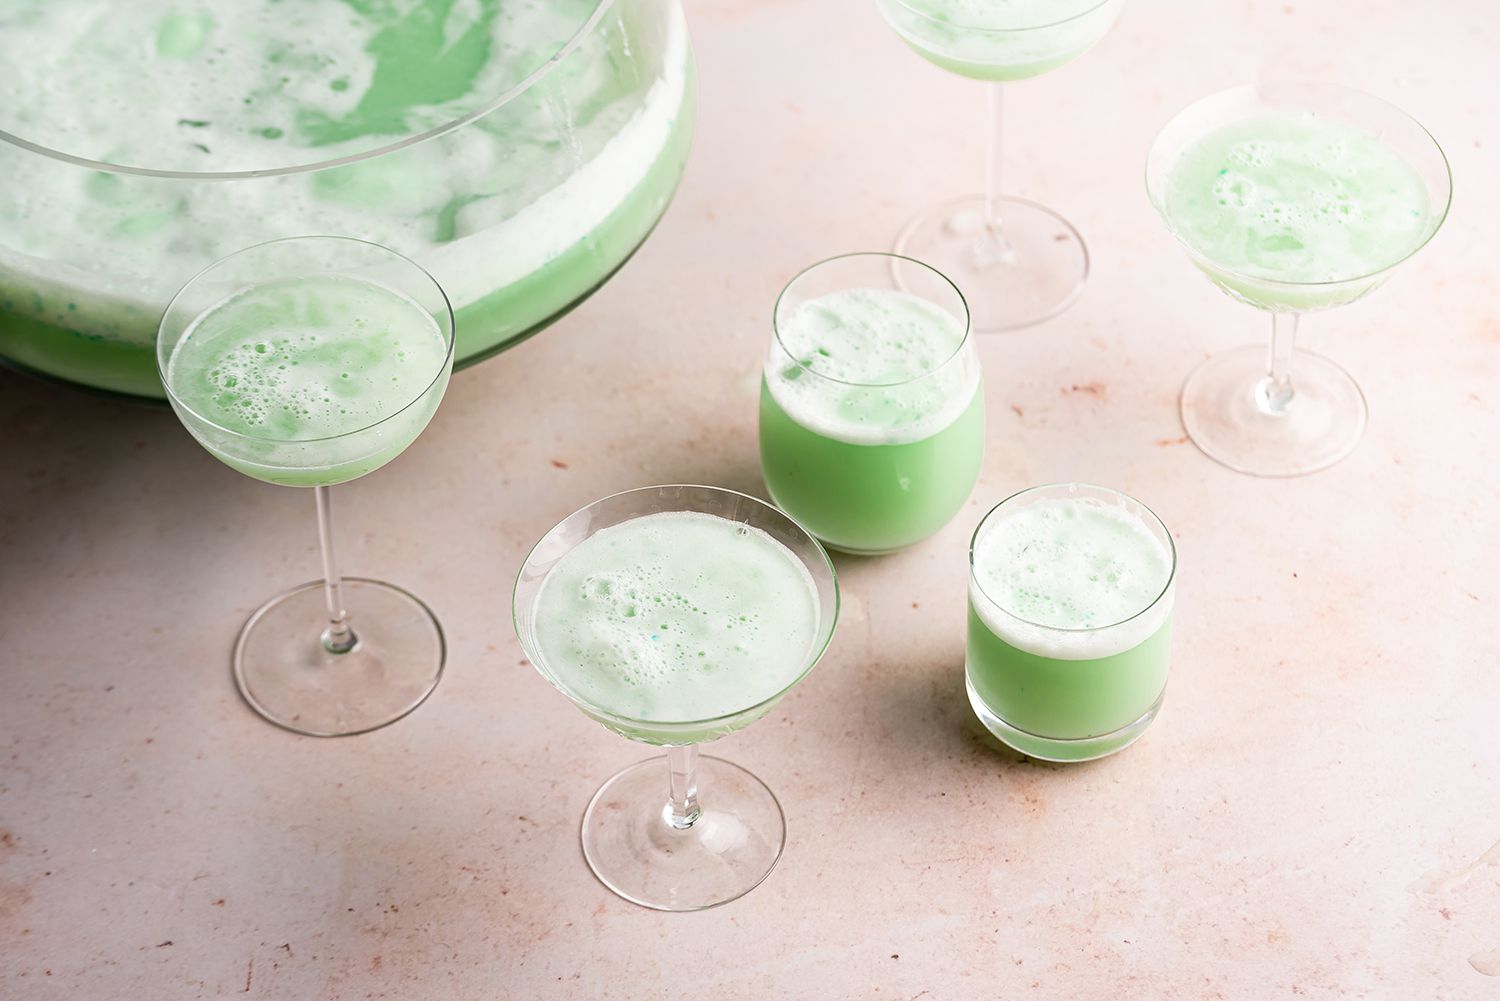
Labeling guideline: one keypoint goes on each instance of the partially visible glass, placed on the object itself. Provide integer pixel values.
(1019, 262)
(872, 402)
(1291, 197)
(1071, 590)
(308, 362)
(642, 608)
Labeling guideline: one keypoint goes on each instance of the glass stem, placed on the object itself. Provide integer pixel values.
(338, 637)
(682, 809)
(1274, 392)
(991, 247)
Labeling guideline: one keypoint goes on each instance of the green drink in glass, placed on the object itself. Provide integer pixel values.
(1070, 620)
(1019, 262)
(1000, 40)
(675, 615)
(273, 379)
(1291, 197)
(871, 412)
(309, 362)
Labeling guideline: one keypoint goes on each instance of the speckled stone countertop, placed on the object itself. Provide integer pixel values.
(1314, 815)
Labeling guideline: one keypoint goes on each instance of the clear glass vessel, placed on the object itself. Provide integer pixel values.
(872, 402)
(1018, 262)
(1076, 669)
(519, 152)
(335, 354)
(1279, 409)
(678, 832)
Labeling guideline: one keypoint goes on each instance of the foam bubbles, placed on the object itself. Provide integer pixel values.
(483, 207)
(872, 366)
(1000, 39)
(1297, 197)
(677, 617)
(1008, 15)
(1070, 563)
(306, 358)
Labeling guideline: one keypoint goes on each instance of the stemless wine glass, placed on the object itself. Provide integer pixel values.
(646, 610)
(1291, 197)
(308, 362)
(1018, 262)
(871, 402)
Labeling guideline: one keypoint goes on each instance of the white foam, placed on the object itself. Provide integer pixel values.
(1007, 15)
(306, 358)
(499, 253)
(1073, 578)
(676, 617)
(872, 366)
(61, 241)
(1295, 196)
(1020, 37)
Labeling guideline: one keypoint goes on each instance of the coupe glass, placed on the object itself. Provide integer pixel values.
(1018, 262)
(1285, 411)
(342, 655)
(679, 832)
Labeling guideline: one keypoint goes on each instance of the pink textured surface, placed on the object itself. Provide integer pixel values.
(1314, 814)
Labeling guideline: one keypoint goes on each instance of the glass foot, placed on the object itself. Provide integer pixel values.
(1034, 272)
(1222, 414)
(1061, 749)
(734, 844)
(288, 677)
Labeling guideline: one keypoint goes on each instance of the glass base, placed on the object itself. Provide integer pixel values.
(1035, 271)
(1223, 415)
(287, 676)
(1060, 749)
(734, 844)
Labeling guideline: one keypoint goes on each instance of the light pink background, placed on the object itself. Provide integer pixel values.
(1314, 815)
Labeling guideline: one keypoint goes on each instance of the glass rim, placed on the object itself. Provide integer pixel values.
(1157, 197)
(963, 341)
(1075, 631)
(451, 338)
(815, 651)
(510, 94)
(926, 16)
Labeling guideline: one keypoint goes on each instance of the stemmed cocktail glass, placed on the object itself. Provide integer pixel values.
(309, 362)
(1291, 197)
(1018, 262)
(675, 615)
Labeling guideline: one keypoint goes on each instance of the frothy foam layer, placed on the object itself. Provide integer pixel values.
(306, 358)
(1070, 563)
(484, 207)
(1000, 39)
(872, 366)
(256, 85)
(1296, 197)
(1007, 15)
(676, 617)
